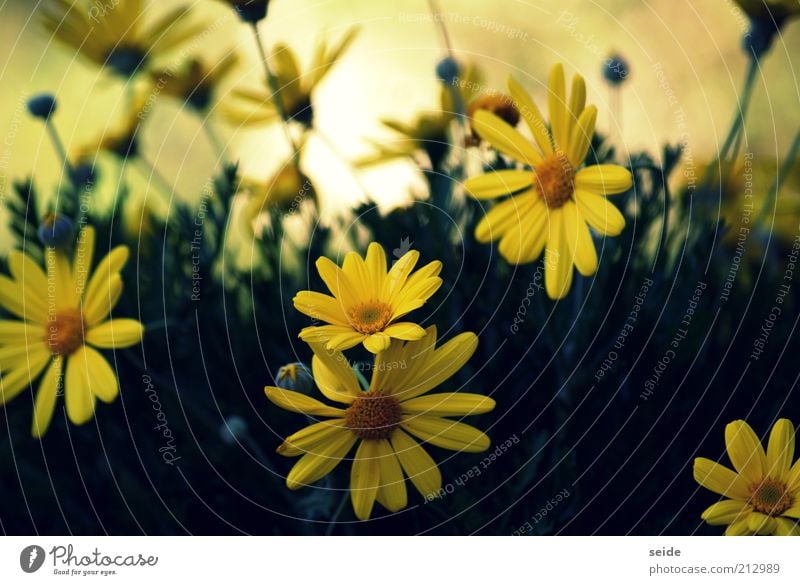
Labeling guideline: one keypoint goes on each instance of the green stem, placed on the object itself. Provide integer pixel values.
(272, 82)
(788, 163)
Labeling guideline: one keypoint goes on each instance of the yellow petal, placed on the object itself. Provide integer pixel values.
(46, 397)
(745, 451)
(449, 404)
(532, 116)
(581, 246)
(436, 367)
(405, 331)
(392, 491)
(739, 528)
(337, 281)
(577, 103)
(504, 217)
(524, 242)
(581, 136)
(101, 299)
(761, 524)
(82, 259)
(446, 434)
(418, 465)
(780, 450)
(296, 402)
(377, 342)
(784, 527)
(557, 258)
(15, 381)
(365, 477)
(333, 374)
(725, 512)
(604, 179)
(498, 183)
(31, 279)
(356, 270)
(115, 333)
(101, 378)
(376, 266)
(557, 104)
(309, 439)
(13, 299)
(600, 213)
(720, 480)
(314, 466)
(398, 275)
(321, 307)
(504, 138)
(78, 396)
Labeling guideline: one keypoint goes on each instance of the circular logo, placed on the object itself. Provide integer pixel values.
(31, 558)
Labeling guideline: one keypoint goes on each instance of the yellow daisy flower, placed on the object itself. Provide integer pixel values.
(196, 82)
(115, 35)
(764, 492)
(63, 316)
(383, 420)
(249, 107)
(367, 300)
(550, 206)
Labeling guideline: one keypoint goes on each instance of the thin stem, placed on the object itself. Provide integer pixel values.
(437, 17)
(62, 154)
(788, 163)
(272, 82)
(213, 138)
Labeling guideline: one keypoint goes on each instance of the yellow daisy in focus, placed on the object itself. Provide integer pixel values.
(250, 107)
(763, 492)
(384, 420)
(115, 35)
(367, 300)
(63, 316)
(552, 206)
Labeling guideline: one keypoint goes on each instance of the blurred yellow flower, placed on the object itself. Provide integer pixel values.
(63, 315)
(764, 492)
(551, 205)
(114, 34)
(367, 300)
(285, 191)
(383, 420)
(196, 81)
(248, 107)
(428, 132)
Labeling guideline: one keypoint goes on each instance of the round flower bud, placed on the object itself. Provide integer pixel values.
(296, 376)
(250, 10)
(56, 231)
(616, 70)
(447, 69)
(233, 430)
(42, 105)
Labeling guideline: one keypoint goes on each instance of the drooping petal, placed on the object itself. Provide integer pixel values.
(78, 396)
(524, 242)
(377, 342)
(784, 527)
(557, 259)
(600, 213)
(365, 477)
(745, 451)
(405, 331)
(312, 467)
(101, 378)
(418, 465)
(504, 217)
(392, 491)
(579, 239)
(45, 402)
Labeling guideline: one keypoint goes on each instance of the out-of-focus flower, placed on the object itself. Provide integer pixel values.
(383, 420)
(616, 69)
(121, 141)
(367, 300)
(42, 105)
(429, 132)
(249, 107)
(196, 81)
(59, 335)
(550, 206)
(296, 376)
(499, 104)
(115, 35)
(250, 10)
(447, 70)
(56, 230)
(286, 191)
(763, 494)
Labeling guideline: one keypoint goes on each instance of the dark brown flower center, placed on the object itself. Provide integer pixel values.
(555, 180)
(64, 332)
(373, 417)
(370, 317)
(771, 497)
